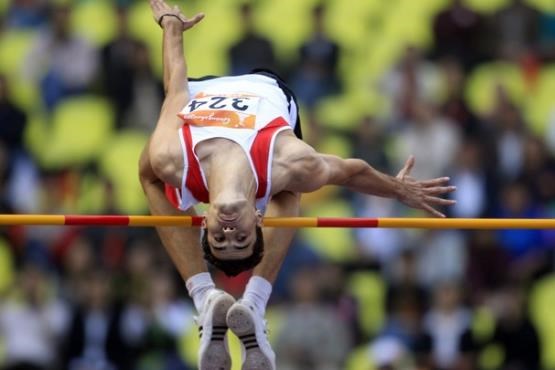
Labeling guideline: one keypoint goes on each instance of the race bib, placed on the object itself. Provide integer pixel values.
(224, 110)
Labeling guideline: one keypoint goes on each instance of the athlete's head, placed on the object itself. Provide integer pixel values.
(232, 236)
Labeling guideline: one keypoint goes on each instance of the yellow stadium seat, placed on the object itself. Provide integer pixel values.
(205, 48)
(95, 20)
(491, 357)
(540, 105)
(143, 27)
(542, 301)
(79, 131)
(287, 23)
(14, 46)
(409, 24)
(4, 7)
(355, 33)
(92, 196)
(487, 6)
(369, 290)
(334, 244)
(360, 359)
(6, 267)
(344, 112)
(547, 6)
(481, 85)
(483, 324)
(119, 163)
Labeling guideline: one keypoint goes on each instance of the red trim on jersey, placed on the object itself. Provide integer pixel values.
(171, 195)
(193, 180)
(260, 153)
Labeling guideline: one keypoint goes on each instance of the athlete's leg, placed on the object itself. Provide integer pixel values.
(246, 317)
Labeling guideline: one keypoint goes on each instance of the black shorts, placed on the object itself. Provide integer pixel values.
(291, 98)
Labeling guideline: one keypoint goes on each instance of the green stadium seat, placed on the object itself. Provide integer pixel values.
(95, 20)
(369, 289)
(487, 6)
(491, 357)
(540, 105)
(333, 244)
(344, 112)
(142, 26)
(14, 47)
(362, 15)
(542, 301)
(78, 133)
(6, 267)
(119, 163)
(482, 83)
(410, 24)
(4, 7)
(360, 359)
(287, 23)
(91, 196)
(547, 6)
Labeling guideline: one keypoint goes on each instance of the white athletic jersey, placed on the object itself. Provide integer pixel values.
(249, 110)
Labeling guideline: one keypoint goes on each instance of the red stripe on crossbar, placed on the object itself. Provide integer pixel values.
(197, 220)
(347, 222)
(105, 220)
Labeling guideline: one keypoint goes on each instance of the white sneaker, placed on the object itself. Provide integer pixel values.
(251, 330)
(213, 351)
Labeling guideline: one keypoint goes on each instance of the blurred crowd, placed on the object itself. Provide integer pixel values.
(110, 299)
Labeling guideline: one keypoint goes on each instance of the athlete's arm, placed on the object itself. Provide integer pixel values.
(181, 243)
(174, 23)
(277, 239)
(308, 170)
(164, 147)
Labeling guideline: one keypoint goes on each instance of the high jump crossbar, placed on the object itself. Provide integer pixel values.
(287, 222)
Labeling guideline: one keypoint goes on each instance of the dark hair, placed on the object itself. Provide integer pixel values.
(234, 267)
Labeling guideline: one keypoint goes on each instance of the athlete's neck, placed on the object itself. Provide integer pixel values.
(231, 180)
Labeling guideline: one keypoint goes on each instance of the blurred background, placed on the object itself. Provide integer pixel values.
(468, 87)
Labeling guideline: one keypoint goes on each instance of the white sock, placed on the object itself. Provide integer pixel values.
(198, 286)
(258, 293)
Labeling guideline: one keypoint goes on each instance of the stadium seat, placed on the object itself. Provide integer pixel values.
(539, 106)
(80, 129)
(344, 112)
(334, 244)
(119, 163)
(145, 29)
(486, 6)
(362, 16)
(360, 359)
(287, 23)
(6, 267)
(542, 301)
(4, 7)
(480, 89)
(95, 20)
(369, 289)
(547, 6)
(14, 46)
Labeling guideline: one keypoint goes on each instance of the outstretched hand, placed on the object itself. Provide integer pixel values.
(423, 194)
(164, 14)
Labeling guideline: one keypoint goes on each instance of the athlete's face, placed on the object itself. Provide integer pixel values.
(231, 229)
